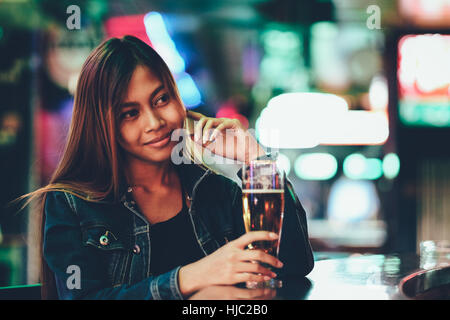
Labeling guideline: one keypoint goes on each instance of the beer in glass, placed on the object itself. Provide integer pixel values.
(263, 206)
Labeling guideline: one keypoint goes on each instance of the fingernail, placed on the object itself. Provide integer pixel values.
(273, 274)
(280, 264)
(267, 278)
(273, 235)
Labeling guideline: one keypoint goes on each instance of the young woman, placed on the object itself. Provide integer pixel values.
(122, 221)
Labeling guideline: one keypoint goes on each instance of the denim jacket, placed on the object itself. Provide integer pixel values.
(102, 250)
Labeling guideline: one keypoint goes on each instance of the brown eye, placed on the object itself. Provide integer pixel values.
(162, 100)
(129, 114)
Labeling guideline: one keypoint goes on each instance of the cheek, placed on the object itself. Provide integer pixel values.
(127, 135)
(175, 116)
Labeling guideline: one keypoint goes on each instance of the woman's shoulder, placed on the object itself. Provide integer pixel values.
(65, 197)
(69, 202)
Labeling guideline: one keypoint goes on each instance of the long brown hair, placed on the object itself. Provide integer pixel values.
(90, 165)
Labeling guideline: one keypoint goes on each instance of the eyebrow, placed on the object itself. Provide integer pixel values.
(134, 103)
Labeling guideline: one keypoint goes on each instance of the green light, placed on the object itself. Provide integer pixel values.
(284, 42)
(391, 165)
(374, 169)
(358, 167)
(315, 166)
(436, 114)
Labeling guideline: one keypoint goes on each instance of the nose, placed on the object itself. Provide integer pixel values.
(152, 120)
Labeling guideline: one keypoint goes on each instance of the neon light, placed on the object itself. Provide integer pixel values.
(228, 110)
(162, 42)
(315, 166)
(164, 45)
(424, 80)
(358, 167)
(188, 90)
(421, 113)
(127, 25)
(391, 165)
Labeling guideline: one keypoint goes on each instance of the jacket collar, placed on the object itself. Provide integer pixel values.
(191, 174)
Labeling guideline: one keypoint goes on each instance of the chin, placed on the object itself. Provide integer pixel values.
(158, 156)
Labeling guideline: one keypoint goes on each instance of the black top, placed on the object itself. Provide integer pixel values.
(173, 243)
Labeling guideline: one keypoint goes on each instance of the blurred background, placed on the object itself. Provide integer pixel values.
(366, 152)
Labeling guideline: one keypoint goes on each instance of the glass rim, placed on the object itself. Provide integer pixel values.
(260, 161)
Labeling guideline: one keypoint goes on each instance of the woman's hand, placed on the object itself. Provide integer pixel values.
(225, 137)
(230, 264)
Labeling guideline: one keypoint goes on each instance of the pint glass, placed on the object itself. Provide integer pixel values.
(263, 205)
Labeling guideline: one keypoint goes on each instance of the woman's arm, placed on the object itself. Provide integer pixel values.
(66, 254)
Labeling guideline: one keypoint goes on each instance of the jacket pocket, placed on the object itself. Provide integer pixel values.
(101, 237)
(111, 253)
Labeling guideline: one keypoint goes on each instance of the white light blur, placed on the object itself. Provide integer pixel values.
(352, 200)
(315, 166)
(354, 165)
(424, 62)
(391, 165)
(304, 120)
(426, 12)
(378, 93)
(284, 163)
(357, 127)
(297, 120)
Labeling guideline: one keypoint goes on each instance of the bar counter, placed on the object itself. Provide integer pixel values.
(364, 277)
(334, 277)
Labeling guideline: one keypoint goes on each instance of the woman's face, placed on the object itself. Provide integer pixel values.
(147, 118)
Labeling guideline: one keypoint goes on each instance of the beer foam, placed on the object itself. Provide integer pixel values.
(262, 191)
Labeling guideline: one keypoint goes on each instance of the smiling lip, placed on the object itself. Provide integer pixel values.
(159, 142)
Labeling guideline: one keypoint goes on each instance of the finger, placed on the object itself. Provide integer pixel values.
(254, 267)
(261, 256)
(252, 236)
(227, 124)
(244, 277)
(207, 129)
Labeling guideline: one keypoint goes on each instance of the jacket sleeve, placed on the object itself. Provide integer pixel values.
(79, 272)
(295, 248)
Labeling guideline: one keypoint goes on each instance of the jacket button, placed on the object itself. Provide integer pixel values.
(136, 249)
(104, 240)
